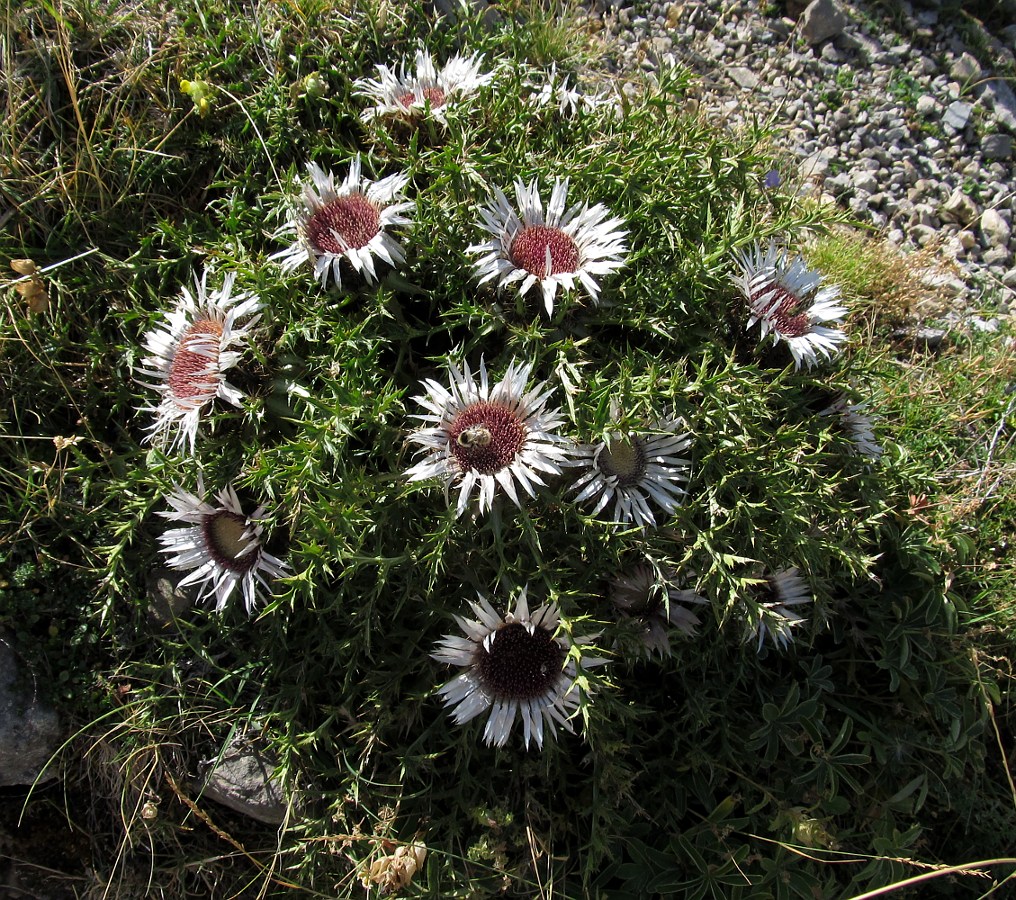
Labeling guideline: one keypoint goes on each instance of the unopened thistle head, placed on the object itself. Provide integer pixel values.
(787, 300)
(221, 544)
(488, 437)
(857, 426)
(772, 613)
(189, 355)
(414, 92)
(556, 247)
(652, 599)
(514, 665)
(348, 223)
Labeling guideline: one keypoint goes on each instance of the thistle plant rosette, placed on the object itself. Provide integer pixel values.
(516, 664)
(222, 545)
(348, 222)
(857, 426)
(189, 355)
(556, 248)
(650, 597)
(787, 301)
(635, 471)
(775, 617)
(408, 94)
(488, 437)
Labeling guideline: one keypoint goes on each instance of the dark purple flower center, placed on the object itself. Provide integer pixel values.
(517, 665)
(624, 458)
(786, 312)
(193, 373)
(344, 223)
(433, 95)
(224, 532)
(531, 245)
(486, 437)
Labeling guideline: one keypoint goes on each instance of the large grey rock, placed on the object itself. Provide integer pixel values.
(821, 20)
(995, 229)
(244, 779)
(996, 146)
(167, 602)
(1003, 101)
(957, 114)
(743, 77)
(960, 208)
(29, 730)
(965, 69)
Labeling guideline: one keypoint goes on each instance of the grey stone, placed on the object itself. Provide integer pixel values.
(941, 280)
(861, 43)
(959, 208)
(1009, 279)
(995, 229)
(957, 114)
(821, 20)
(965, 69)
(29, 729)
(927, 105)
(815, 166)
(997, 256)
(1003, 102)
(988, 325)
(1008, 35)
(244, 779)
(966, 239)
(922, 234)
(744, 78)
(167, 602)
(865, 181)
(929, 338)
(996, 146)
(839, 184)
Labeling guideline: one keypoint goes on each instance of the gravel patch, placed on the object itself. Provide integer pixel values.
(902, 122)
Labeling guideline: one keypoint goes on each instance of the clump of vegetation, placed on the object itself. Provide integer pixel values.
(885, 286)
(516, 492)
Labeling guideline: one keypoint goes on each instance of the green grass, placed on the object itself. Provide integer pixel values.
(872, 749)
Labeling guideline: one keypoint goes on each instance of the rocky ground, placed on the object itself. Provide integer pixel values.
(903, 118)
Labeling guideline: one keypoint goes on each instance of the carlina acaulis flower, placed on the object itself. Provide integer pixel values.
(412, 93)
(221, 545)
(788, 301)
(556, 248)
(636, 471)
(189, 355)
(516, 665)
(488, 437)
(348, 223)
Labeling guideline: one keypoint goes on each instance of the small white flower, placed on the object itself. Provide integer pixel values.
(487, 436)
(774, 617)
(636, 471)
(556, 248)
(222, 545)
(345, 223)
(189, 355)
(652, 599)
(410, 94)
(858, 426)
(787, 300)
(557, 91)
(513, 665)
